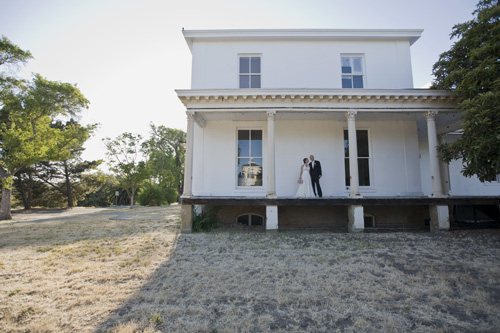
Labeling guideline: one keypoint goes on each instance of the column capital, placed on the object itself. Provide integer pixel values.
(190, 115)
(430, 115)
(351, 115)
(271, 114)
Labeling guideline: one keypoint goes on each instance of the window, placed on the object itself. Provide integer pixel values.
(249, 157)
(363, 158)
(250, 219)
(250, 72)
(352, 71)
(369, 221)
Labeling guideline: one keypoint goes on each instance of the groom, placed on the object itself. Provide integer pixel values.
(315, 172)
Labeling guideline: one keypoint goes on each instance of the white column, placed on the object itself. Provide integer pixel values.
(353, 153)
(437, 190)
(271, 159)
(188, 167)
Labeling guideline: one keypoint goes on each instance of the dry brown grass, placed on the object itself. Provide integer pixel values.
(96, 274)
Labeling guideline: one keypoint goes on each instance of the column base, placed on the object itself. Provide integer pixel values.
(186, 218)
(271, 217)
(440, 218)
(356, 218)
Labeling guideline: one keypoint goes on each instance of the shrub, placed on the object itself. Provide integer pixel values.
(155, 195)
(207, 220)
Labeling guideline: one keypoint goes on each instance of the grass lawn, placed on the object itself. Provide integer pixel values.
(109, 271)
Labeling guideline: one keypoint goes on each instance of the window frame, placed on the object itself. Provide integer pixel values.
(363, 70)
(249, 74)
(250, 220)
(369, 158)
(237, 158)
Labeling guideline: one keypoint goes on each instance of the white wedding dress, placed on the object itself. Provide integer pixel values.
(305, 189)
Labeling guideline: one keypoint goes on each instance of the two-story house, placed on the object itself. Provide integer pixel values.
(262, 100)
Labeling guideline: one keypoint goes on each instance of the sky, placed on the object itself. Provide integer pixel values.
(128, 56)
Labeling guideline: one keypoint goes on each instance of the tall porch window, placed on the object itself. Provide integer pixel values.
(363, 158)
(250, 158)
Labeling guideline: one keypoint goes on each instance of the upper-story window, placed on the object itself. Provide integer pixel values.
(352, 71)
(250, 71)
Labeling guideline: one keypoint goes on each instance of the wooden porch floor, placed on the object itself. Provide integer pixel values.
(340, 201)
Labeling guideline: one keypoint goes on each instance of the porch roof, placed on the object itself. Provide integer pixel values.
(323, 104)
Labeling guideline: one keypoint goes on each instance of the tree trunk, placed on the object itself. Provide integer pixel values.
(5, 211)
(69, 191)
(132, 193)
(26, 192)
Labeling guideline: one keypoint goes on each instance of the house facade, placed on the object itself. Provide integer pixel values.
(262, 100)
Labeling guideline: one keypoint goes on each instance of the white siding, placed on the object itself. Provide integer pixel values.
(301, 64)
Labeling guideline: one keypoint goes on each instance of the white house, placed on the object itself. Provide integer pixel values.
(262, 100)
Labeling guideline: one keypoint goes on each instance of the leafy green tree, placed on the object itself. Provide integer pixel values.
(124, 159)
(471, 68)
(11, 56)
(65, 167)
(103, 193)
(27, 136)
(166, 154)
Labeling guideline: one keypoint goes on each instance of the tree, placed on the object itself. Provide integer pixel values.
(11, 56)
(65, 167)
(471, 69)
(27, 136)
(123, 153)
(166, 154)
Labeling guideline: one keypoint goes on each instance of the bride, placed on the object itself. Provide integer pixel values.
(305, 187)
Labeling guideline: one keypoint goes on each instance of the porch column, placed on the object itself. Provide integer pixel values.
(188, 167)
(353, 154)
(271, 172)
(437, 189)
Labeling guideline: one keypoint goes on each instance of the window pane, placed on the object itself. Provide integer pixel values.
(255, 65)
(257, 220)
(346, 143)
(347, 172)
(256, 143)
(346, 82)
(357, 67)
(346, 64)
(362, 138)
(244, 81)
(346, 70)
(364, 172)
(256, 172)
(244, 65)
(244, 219)
(243, 171)
(255, 81)
(244, 143)
(357, 81)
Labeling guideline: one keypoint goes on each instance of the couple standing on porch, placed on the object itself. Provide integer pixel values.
(310, 173)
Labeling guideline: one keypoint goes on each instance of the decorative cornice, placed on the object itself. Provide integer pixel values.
(412, 35)
(272, 96)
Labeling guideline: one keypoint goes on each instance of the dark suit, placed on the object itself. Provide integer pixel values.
(315, 172)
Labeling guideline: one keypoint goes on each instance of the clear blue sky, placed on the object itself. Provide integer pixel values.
(128, 56)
